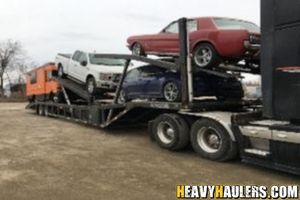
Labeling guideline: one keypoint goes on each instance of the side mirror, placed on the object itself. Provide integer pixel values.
(83, 63)
(54, 73)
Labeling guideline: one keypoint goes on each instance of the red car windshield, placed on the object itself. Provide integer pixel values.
(223, 23)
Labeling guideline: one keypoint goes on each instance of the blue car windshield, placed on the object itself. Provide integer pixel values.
(98, 60)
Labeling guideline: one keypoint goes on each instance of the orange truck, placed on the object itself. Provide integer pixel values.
(41, 85)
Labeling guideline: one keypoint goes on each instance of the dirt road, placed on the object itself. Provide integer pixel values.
(46, 158)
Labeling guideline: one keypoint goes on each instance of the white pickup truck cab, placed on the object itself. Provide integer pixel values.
(93, 71)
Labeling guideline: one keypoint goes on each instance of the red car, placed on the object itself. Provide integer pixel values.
(212, 40)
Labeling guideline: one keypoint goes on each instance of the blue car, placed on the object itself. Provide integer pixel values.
(155, 82)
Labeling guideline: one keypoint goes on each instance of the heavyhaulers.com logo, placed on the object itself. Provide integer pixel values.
(236, 192)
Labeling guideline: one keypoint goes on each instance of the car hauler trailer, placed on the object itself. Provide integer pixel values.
(217, 130)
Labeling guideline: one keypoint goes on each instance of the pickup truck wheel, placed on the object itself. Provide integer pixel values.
(61, 73)
(91, 85)
(206, 56)
(171, 132)
(31, 99)
(137, 50)
(212, 141)
(46, 111)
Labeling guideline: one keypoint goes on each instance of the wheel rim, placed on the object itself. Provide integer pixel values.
(121, 97)
(60, 72)
(46, 112)
(209, 139)
(203, 56)
(91, 86)
(171, 91)
(40, 110)
(166, 132)
(137, 50)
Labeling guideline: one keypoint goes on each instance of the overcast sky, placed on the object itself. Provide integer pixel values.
(46, 27)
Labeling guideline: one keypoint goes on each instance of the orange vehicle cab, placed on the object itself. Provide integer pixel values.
(40, 83)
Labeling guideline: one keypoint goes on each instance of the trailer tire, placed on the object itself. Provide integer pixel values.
(212, 141)
(46, 111)
(41, 110)
(171, 132)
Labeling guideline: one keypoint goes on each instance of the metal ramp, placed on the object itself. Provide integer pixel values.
(74, 87)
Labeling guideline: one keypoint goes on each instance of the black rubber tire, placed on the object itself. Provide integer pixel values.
(215, 60)
(138, 45)
(228, 149)
(37, 110)
(31, 99)
(179, 92)
(181, 132)
(46, 111)
(94, 83)
(41, 110)
(61, 73)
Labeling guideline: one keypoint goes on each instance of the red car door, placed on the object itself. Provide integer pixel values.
(167, 40)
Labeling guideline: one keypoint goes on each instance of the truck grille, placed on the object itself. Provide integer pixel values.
(116, 78)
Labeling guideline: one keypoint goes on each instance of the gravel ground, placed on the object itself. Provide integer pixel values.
(46, 158)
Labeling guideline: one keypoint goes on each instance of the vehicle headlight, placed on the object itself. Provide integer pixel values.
(105, 76)
(101, 76)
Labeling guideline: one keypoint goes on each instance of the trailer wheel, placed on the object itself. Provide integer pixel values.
(171, 132)
(46, 111)
(41, 110)
(212, 141)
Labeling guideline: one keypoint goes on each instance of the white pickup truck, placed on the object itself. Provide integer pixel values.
(93, 71)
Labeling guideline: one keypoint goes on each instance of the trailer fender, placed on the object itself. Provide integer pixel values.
(224, 118)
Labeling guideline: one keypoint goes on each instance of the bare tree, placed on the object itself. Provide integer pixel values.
(21, 68)
(8, 78)
(9, 53)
